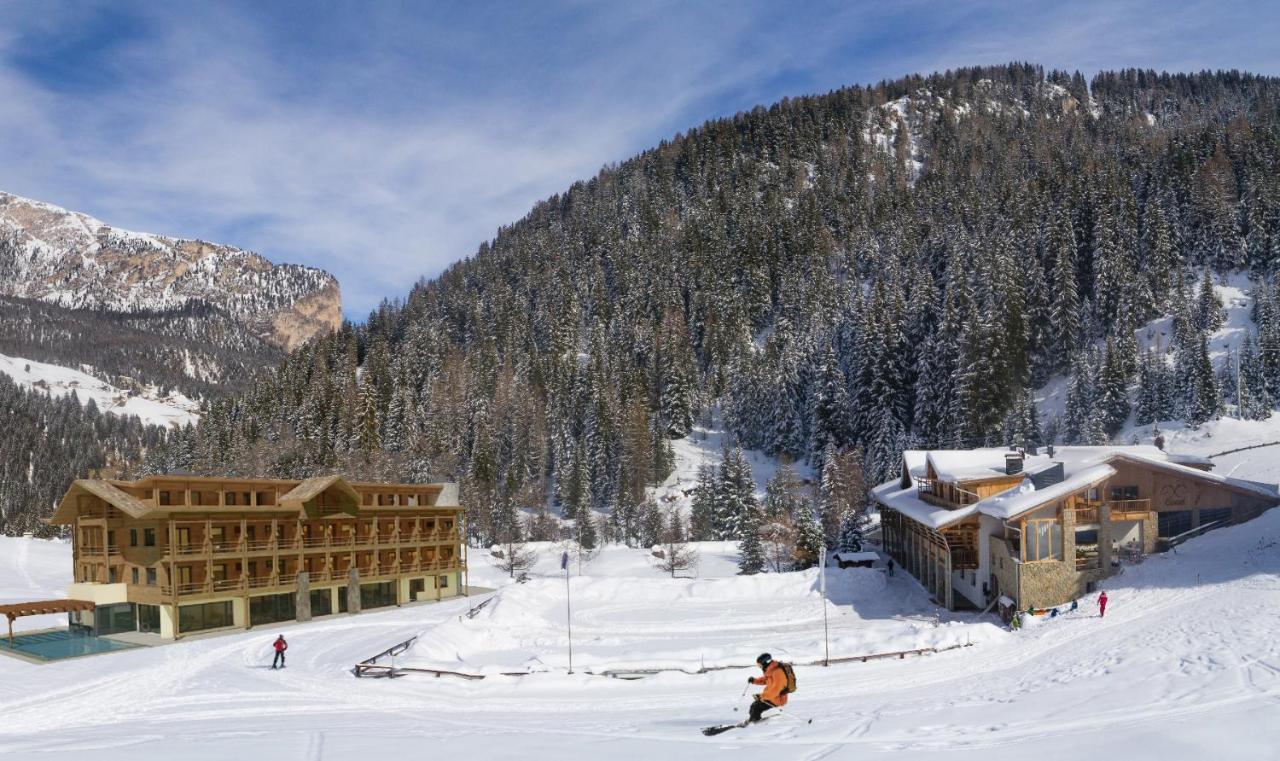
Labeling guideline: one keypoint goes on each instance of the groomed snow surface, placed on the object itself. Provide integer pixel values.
(1186, 665)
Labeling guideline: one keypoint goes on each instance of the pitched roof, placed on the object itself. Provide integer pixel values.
(1083, 467)
(107, 492)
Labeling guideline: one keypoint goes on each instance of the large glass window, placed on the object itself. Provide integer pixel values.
(269, 609)
(112, 619)
(321, 602)
(209, 615)
(379, 595)
(1043, 540)
(148, 618)
(1124, 492)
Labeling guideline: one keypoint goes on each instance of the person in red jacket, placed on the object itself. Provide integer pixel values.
(280, 645)
(1102, 604)
(775, 687)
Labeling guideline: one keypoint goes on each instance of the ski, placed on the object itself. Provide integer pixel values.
(718, 729)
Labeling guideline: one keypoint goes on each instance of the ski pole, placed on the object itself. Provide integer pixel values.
(795, 716)
(743, 695)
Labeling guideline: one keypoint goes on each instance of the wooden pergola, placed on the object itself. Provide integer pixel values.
(41, 608)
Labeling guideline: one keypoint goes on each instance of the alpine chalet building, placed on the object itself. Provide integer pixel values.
(1041, 529)
(177, 554)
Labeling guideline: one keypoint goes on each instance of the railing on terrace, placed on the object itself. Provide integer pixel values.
(1087, 513)
(930, 490)
(1130, 509)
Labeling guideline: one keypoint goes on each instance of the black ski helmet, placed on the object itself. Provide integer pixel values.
(764, 660)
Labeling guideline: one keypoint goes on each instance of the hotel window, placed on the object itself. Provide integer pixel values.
(149, 537)
(111, 575)
(166, 498)
(444, 582)
(151, 577)
(1124, 492)
(1043, 540)
(133, 537)
(135, 576)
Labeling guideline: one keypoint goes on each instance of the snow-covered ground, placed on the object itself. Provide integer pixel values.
(1185, 666)
(706, 445)
(55, 380)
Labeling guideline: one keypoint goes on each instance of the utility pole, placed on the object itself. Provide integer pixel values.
(568, 611)
(822, 584)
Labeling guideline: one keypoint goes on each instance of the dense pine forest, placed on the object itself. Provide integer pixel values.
(834, 278)
(49, 442)
(196, 349)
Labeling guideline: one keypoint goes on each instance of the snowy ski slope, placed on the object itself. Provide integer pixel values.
(1186, 665)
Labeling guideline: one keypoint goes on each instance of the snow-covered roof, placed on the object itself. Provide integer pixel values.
(905, 501)
(1025, 496)
(1082, 467)
(856, 557)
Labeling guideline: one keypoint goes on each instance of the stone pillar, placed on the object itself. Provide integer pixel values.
(240, 612)
(168, 621)
(1104, 539)
(353, 590)
(303, 605)
(402, 592)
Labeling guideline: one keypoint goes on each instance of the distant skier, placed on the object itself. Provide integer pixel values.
(775, 687)
(890, 566)
(280, 645)
(1074, 605)
(1102, 604)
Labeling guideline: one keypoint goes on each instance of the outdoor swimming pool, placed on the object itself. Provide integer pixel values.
(63, 643)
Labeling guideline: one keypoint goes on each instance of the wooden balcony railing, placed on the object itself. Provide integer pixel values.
(932, 491)
(1087, 514)
(1130, 509)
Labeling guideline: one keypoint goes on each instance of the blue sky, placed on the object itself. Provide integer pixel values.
(384, 140)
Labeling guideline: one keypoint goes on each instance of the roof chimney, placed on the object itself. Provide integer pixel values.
(1013, 463)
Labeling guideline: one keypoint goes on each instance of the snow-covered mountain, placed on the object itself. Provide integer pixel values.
(73, 260)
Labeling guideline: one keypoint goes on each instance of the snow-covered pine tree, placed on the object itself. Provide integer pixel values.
(829, 415)
(751, 559)
(651, 523)
(809, 537)
(736, 506)
(851, 534)
(1113, 393)
(1256, 402)
(702, 510)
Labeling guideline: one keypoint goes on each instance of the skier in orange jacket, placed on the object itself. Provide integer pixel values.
(775, 687)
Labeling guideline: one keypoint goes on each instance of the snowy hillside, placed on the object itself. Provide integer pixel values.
(1185, 666)
(147, 404)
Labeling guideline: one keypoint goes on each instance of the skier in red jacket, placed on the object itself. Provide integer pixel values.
(1102, 604)
(280, 645)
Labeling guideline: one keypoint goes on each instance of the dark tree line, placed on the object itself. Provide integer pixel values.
(48, 442)
(873, 268)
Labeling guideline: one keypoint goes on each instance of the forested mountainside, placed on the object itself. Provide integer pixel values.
(48, 442)
(195, 349)
(857, 271)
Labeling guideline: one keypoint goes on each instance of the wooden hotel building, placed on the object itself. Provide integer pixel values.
(176, 555)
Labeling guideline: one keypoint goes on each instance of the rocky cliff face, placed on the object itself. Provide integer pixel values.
(72, 260)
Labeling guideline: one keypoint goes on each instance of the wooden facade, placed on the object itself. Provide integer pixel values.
(1050, 552)
(190, 553)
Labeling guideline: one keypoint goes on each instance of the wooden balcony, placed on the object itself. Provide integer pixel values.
(1087, 512)
(940, 493)
(1130, 509)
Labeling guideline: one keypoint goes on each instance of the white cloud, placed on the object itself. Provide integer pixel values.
(384, 148)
